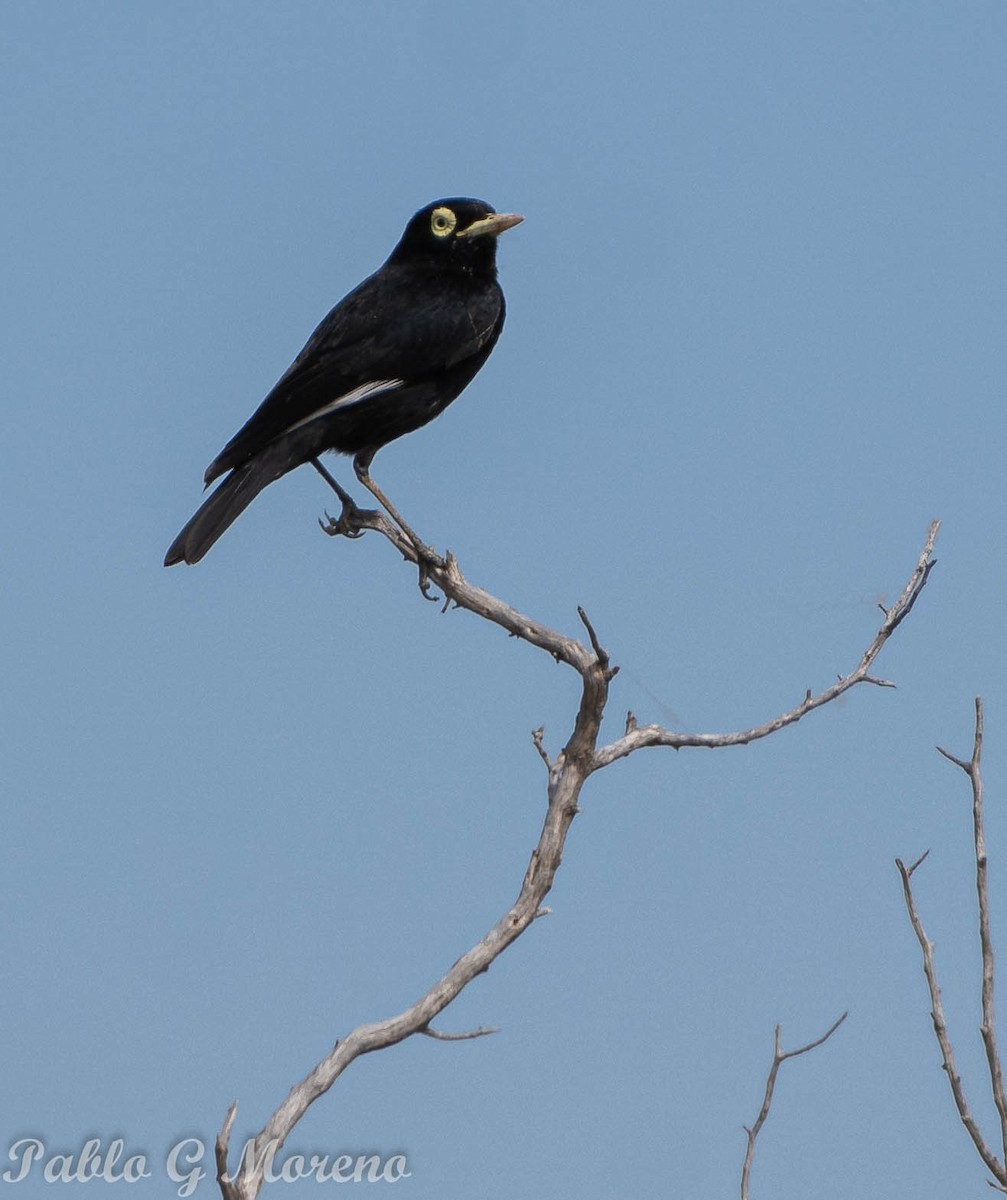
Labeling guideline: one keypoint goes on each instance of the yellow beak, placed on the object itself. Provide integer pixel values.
(494, 224)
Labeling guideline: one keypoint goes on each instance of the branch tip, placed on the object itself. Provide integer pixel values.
(779, 1057)
(220, 1150)
(817, 1042)
(599, 651)
(907, 872)
(466, 1036)
(654, 735)
(536, 737)
(959, 762)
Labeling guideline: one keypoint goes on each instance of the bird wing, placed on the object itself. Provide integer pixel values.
(393, 330)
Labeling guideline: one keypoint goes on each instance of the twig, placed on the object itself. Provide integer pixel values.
(972, 769)
(220, 1149)
(600, 652)
(922, 858)
(482, 1031)
(536, 736)
(641, 736)
(780, 1056)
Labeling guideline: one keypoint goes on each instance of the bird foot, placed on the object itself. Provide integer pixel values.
(352, 522)
(425, 559)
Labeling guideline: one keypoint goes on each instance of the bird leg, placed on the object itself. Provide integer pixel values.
(426, 557)
(353, 522)
(349, 523)
(361, 464)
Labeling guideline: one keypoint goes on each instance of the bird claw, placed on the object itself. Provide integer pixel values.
(425, 581)
(427, 560)
(352, 522)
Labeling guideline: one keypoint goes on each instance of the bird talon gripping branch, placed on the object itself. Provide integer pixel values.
(425, 584)
(348, 524)
(390, 357)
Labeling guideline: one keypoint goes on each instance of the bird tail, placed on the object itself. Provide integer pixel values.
(229, 500)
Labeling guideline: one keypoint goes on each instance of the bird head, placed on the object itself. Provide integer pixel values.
(460, 232)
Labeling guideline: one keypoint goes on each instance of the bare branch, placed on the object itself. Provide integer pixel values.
(536, 737)
(973, 769)
(482, 1031)
(780, 1056)
(220, 1151)
(922, 858)
(818, 1041)
(941, 1030)
(567, 774)
(988, 1027)
(642, 736)
(364, 1039)
(959, 762)
(446, 574)
(600, 652)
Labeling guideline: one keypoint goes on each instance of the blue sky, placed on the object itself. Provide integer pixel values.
(755, 343)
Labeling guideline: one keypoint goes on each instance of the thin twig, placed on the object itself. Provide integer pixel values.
(655, 735)
(536, 736)
(922, 858)
(482, 1031)
(780, 1056)
(600, 652)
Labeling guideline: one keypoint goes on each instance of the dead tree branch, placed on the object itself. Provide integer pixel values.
(566, 775)
(780, 1056)
(637, 737)
(972, 769)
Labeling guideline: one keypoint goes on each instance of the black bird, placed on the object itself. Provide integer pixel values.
(390, 357)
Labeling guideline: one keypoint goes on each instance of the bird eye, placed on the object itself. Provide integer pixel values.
(442, 221)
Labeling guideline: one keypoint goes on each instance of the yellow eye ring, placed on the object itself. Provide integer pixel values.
(442, 222)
